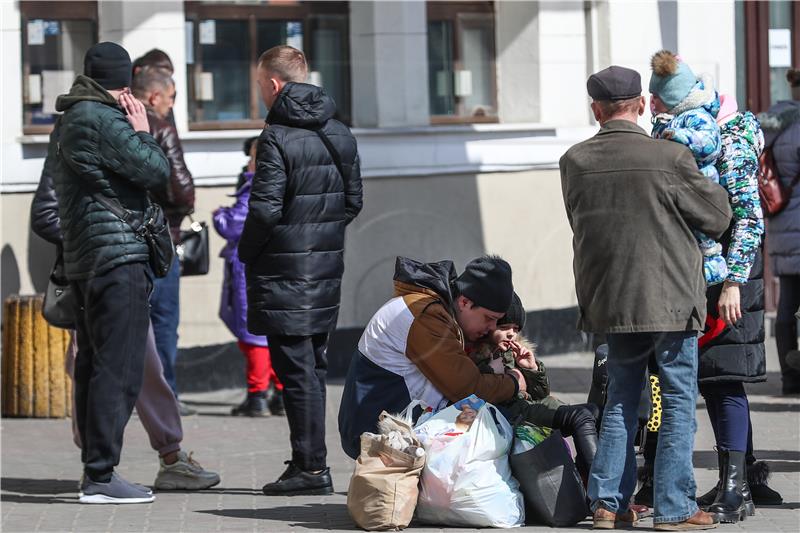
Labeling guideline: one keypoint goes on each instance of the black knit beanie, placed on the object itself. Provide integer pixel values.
(109, 65)
(515, 314)
(487, 282)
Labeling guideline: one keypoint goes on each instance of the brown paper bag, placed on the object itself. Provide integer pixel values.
(385, 485)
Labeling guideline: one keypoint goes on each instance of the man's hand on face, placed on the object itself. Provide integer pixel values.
(523, 356)
(135, 112)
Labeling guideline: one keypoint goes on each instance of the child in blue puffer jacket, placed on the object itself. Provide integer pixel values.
(684, 110)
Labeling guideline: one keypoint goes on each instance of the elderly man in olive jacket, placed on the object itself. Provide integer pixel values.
(633, 202)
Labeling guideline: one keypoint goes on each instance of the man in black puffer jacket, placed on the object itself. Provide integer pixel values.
(101, 147)
(293, 249)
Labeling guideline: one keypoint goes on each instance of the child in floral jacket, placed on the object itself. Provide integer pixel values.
(684, 110)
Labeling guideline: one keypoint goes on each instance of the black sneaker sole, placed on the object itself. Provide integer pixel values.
(321, 491)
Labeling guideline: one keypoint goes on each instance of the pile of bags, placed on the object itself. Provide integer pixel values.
(454, 468)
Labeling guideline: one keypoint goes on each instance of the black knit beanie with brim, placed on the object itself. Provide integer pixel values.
(109, 65)
(487, 282)
(515, 314)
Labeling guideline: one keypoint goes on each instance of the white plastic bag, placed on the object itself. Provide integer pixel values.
(467, 478)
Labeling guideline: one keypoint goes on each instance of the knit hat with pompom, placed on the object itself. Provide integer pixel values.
(672, 79)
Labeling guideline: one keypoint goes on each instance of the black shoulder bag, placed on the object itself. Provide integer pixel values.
(59, 300)
(153, 229)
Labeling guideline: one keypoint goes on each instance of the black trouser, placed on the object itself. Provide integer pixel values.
(786, 329)
(111, 333)
(301, 364)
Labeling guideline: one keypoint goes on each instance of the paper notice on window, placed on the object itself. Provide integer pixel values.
(294, 35)
(204, 86)
(54, 83)
(208, 32)
(780, 48)
(35, 32)
(463, 83)
(34, 93)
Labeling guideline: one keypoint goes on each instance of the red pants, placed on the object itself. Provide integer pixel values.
(259, 368)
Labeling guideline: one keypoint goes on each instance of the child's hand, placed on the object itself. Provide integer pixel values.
(523, 356)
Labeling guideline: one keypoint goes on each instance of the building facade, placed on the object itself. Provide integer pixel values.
(461, 111)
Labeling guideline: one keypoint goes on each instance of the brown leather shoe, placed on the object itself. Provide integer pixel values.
(699, 520)
(604, 519)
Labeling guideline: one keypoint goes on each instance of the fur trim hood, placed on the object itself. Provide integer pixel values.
(778, 120)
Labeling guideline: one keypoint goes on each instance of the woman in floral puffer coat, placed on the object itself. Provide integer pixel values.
(732, 350)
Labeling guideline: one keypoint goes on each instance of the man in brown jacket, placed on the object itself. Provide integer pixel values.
(633, 202)
(413, 347)
(155, 88)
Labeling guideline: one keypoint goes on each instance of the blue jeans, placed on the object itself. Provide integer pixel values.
(613, 477)
(165, 308)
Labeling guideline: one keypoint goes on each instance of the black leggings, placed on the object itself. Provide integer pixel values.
(786, 329)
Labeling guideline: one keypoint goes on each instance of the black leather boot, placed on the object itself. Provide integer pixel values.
(578, 422)
(705, 501)
(729, 505)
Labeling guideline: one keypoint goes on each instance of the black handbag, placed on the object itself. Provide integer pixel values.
(550, 484)
(192, 249)
(152, 229)
(59, 301)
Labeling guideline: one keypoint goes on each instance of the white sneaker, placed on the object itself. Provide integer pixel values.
(184, 474)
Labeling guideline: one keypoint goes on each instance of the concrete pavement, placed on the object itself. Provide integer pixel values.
(41, 467)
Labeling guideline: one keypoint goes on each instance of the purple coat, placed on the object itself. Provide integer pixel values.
(229, 221)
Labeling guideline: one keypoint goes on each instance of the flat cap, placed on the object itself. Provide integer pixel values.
(614, 83)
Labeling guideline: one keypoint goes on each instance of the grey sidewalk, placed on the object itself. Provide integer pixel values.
(41, 467)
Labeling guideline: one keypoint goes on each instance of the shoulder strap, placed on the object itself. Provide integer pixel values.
(337, 159)
(113, 205)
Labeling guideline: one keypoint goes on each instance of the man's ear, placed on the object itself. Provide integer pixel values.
(642, 105)
(596, 111)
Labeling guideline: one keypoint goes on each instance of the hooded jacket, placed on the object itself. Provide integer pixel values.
(293, 238)
(413, 349)
(94, 150)
(781, 126)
